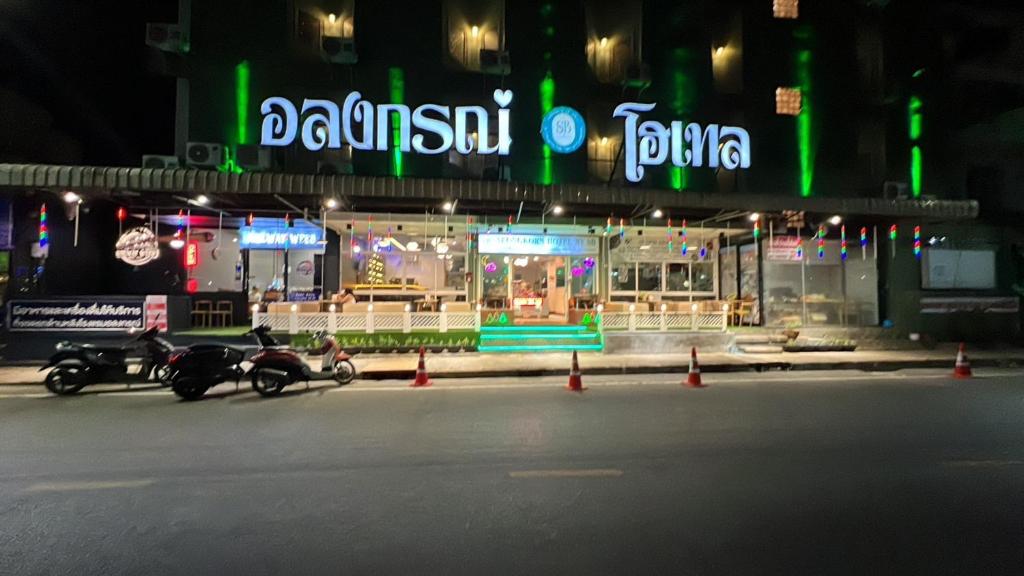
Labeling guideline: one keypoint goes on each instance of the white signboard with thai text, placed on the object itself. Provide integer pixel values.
(538, 244)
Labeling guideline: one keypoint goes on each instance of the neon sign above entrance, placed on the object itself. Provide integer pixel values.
(367, 127)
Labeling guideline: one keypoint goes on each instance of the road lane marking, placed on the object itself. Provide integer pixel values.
(983, 463)
(88, 485)
(568, 473)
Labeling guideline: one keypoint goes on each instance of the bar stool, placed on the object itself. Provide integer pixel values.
(223, 313)
(202, 312)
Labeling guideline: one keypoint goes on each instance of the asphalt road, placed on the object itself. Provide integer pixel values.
(789, 474)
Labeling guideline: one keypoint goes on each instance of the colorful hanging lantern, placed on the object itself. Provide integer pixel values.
(369, 234)
(44, 230)
(389, 238)
(757, 229)
(608, 226)
(250, 219)
(863, 236)
(799, 247)
(622, 227)
(509, 223)
(821, 242)
(842, 242)
(917, 242)
(469, 232)
(892, 239)
(122, 214)
(686, 248)
(670, 235)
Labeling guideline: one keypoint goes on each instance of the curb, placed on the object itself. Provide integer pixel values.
(885, 366)
(755, 367)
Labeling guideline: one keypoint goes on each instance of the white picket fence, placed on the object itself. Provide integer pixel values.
(370, 322)
(665, 321)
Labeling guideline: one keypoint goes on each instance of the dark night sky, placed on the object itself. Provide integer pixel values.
(74, 82)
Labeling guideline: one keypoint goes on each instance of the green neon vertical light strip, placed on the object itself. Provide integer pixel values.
(242, 102)
(805, 122)
(915, 170)
(915, 122)
(396, 79)
(547, 102)
(683, 95)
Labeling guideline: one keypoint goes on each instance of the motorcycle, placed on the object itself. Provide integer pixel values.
(202, 366)
(75, 366)
(275, 367)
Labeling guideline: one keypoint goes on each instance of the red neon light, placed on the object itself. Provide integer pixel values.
(192, 286)
(192, 255)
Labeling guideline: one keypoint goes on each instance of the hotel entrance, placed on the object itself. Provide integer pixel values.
(538, 279)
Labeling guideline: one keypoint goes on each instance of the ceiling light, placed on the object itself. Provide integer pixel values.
(475, 31)
(657, 213)
(202, 199)
(331, 18)
(557, 210)
(177, 243)
(447, 206)
(70, 197)
(331, 203)
(754, 216)
(835, 220)
(604, 41)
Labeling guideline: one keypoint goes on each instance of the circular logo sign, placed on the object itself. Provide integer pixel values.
(137, 246)
(563, 130)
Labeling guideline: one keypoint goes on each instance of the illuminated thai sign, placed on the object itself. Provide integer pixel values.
(192, 254)
(537, 244)
(137, 246)
(365, 126)
(651, 143)
(281, 238)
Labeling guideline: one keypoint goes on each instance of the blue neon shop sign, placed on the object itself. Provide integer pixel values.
(264, 237)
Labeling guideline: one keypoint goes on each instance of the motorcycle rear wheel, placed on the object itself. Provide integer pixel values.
(66, 380)
(189, 388)
(344, 372)
(267, 384)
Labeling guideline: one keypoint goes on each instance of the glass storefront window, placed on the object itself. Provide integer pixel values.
(703, 279)
(821, 292)
(649, 276)
(678, 279)
(749, 281)
(623, 277)
(495, 280)
(729, 272)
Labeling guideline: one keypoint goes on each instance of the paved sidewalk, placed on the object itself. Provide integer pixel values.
(465, 365)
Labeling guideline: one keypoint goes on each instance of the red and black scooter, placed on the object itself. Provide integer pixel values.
(275, 367)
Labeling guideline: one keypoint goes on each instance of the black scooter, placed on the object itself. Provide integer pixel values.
(75, 366)
(203, 366)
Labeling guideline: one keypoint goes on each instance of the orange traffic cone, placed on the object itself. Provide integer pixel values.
(575, 379)
(693, 378)
(421, 372)
(963, 365)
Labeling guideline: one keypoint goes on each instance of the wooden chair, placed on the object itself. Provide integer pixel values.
(223, 314)
(202, 313)
(742, 309)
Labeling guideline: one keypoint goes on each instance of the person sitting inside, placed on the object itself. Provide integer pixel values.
(346, 297)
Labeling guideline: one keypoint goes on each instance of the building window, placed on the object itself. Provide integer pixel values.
(788, 101)
(786, 8)
(613, 40)
(476, 35)
(601, 152)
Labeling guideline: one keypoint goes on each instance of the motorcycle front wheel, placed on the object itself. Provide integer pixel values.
(344, 372)
(267, 384)
(164, 374)
(66, 380)
(189, 388)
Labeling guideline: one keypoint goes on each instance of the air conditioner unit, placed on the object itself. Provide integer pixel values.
(253, 158)
(894, 190)
(333, 167)
(638, 75)
(204, 154)
(162, 162)
(495, 62)
(338, 50)
(166, 37)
